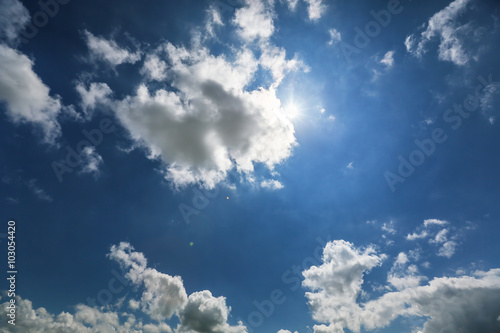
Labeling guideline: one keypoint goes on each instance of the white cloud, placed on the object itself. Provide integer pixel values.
(91, 161)
(13, 18)
(163, 296)
(206, 313)
(448, 249)
(445, 26)
(388, 59)
(213, 20)
(97, 93)
(336, 284)
(27, 97)
(211, 124)
(335, 36)
(350, 166)
(389, 227)
(109, 51)
(286, 331)
(154, 68)
(455, 304)
(315, 9)
(414, 236)
(271, 184)
(430, 222)
(84, 320)
(254, 21)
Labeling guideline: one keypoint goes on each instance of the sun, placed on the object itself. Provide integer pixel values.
(292, 110)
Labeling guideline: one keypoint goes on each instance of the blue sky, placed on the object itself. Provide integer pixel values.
(251, 165)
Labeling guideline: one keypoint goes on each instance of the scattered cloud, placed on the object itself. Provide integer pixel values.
(108, 51)
(350, 166)
(27, 98)
(389, 227)
(271, 184)
(315, 9)
(335, 36)
(440, 235)
(446, 26)
(444, 304)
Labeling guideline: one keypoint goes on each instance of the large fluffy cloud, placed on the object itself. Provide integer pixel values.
(27, 98)
(164, 296)
(451, 304)
(211, 119)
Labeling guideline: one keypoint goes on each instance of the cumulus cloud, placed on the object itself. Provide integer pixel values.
(165, 296)
(13, 18)
(206, 313)
(455, 304)
(211, 124)
(27, 98)
(154, 68)
(84, 320)
(254, 21)
(336, 284)
(446, 26)
(109, 51)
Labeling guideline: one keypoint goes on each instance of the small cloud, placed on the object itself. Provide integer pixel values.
(335, 36)
(350, 166)
(434, 222)
(448, 249)
(109, 51)
(331, 118)
(315, 9)
(492, 120)
(38, 191)
(322, 110)
(271, 184)
(388, 59)
(415, 235)
(389, 227)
